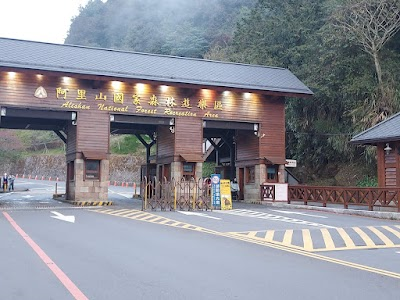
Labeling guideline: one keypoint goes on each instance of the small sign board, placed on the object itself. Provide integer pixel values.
(216, 190)
(226, 197)
(291, 163)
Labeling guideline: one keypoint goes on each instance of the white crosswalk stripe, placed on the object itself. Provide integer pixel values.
(267, 216)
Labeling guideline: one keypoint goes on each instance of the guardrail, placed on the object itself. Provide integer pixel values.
(355, 196)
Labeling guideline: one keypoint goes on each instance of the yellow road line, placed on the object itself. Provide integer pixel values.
(287, 238)
(148, 217)
(395, 232)
(115, 212)
(270, 235)
(292, 249)
(383, 237)
(133, 214)
(156, 219)
(346, 238)
(104, 211)
(316, 256)
(307, 240)
(329, 244)
(367, 240)
(138, 216)
(252, 233)
(165, 221)
(121, 212)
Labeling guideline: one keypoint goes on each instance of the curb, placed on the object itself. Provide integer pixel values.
(60, 197)
(356, 212)
(90, 203)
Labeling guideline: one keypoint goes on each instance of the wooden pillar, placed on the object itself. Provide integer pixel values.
(87, 157)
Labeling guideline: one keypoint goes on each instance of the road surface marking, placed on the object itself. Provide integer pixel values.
(298, 213)
(383, 237)
(327, 238)
(307, 240)
(64, 279)
(269, 236)
(191, 213)
(367, 240)
(287, 238)
(346, 238)
(264, 242)
(267, 216)
(61, 217)
(395, 232)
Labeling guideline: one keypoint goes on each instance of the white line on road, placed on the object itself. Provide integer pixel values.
(297, 213)
(266, 216)
(126, 195)
(190, 213)
(61, 217)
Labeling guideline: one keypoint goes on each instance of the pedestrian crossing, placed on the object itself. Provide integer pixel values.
(330, 239)
(271, 217)
(151, 218)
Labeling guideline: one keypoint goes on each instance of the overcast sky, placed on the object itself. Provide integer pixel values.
(38, 20)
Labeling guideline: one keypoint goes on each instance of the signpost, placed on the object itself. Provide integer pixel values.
(216, 191)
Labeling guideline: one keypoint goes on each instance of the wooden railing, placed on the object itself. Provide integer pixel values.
(354, 196)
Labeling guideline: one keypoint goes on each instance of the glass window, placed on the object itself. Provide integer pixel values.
(271, 173)
(92, 169)
(251, 174)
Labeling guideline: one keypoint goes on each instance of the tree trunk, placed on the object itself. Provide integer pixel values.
(377, 68)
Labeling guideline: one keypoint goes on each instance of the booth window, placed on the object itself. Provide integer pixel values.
(251, 174)
(188, 169)
(92, 169)
(271, 173)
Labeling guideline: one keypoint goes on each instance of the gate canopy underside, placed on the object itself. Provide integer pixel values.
(126, 124)
(33, 119)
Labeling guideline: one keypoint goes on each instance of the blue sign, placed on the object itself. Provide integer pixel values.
(216, 190)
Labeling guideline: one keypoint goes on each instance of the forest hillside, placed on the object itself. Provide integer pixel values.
(346, 51)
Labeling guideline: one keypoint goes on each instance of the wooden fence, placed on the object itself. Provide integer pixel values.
(347, 196)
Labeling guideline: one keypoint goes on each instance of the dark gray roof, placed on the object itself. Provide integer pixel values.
(133, 65)
(385, 131)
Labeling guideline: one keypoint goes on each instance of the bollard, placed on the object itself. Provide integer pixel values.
(36, 177)
(115, 183)
(134, 190)
(49, 178)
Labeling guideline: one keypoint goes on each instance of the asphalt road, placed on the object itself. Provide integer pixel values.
(251, 252)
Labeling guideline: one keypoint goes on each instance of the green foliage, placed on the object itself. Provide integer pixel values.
(9, 156)
(125, 144)
(208, 169)
(368, 181)
(174, 27)
(294, 34)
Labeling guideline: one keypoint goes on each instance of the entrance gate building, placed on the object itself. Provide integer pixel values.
(84, 94)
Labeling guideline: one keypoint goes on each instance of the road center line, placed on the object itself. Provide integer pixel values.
(64, 279)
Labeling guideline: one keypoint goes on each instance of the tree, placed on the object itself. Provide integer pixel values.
(371, 24)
